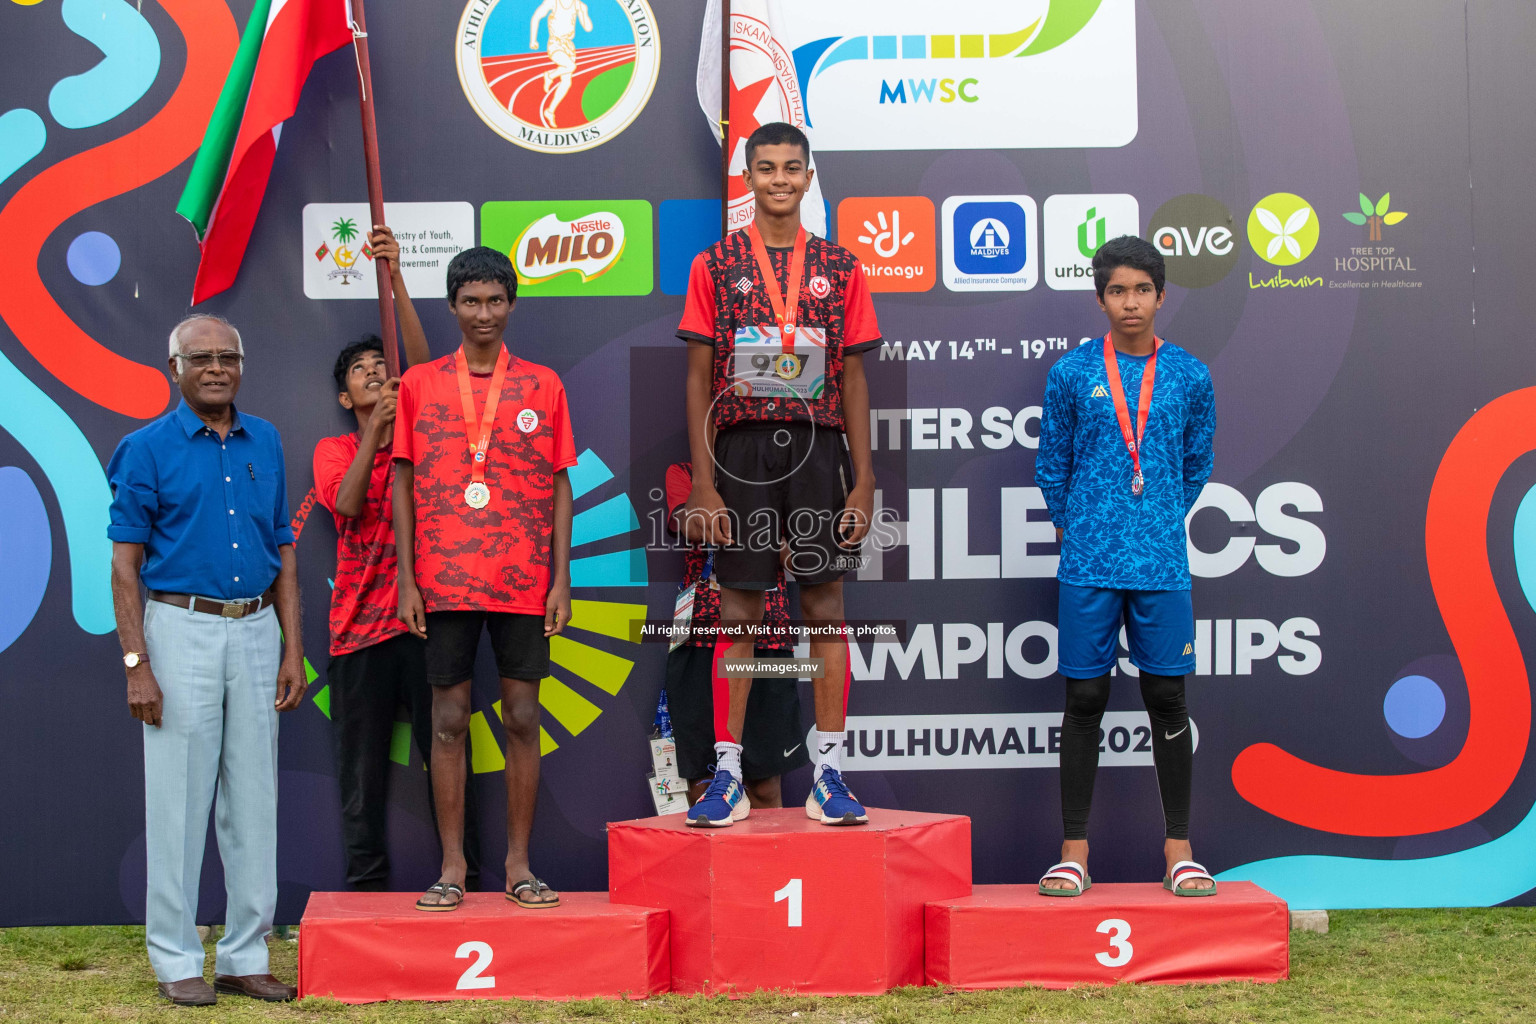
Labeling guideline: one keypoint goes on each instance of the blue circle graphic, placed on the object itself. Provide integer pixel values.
(1414, 706)
(94, 258)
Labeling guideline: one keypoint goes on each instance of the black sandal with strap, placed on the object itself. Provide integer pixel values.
(442, 889)
(535, 886)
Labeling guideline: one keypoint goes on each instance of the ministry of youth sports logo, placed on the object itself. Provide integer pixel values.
(557, 76)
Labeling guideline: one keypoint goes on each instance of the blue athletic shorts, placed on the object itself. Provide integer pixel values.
(1159, 624)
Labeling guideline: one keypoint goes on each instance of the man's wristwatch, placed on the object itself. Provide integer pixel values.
(133, 658)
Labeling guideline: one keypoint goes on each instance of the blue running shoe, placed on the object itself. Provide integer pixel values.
(723, 804)
(831, 803)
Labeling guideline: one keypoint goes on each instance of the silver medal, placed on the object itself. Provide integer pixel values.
(477, 495)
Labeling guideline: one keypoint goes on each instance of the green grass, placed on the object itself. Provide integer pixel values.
(1377, 966)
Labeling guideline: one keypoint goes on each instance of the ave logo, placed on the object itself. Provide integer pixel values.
(1195, 234)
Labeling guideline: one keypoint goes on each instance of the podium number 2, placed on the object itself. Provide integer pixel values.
(481, 951)
(1118, 931)
(791, 892)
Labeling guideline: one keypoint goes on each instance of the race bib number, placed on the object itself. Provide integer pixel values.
(761, 367)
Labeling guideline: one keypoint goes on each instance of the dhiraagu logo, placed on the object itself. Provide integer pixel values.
(592, 659)
(1283, 229)
(573, 247)
(944, 77)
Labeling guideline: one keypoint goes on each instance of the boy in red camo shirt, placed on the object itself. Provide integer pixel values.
(482, 509)
(375, 665)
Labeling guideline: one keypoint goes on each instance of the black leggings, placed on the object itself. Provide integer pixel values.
(1172, 750)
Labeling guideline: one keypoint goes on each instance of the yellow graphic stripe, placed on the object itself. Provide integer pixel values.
(573, 711)
(605, 671)
(610, 618)
(484, 749)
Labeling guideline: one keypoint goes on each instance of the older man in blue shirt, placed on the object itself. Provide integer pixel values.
(200, 518)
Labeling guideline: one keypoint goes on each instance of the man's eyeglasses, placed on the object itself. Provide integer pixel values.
(207, 360)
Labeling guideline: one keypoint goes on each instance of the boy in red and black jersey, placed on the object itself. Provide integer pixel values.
(482, 510)
(777, 324)
(773, 742)
(375, 664)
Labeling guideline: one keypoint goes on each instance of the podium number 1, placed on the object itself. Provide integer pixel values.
(1118, 931)
(481, 951)
(791, 892)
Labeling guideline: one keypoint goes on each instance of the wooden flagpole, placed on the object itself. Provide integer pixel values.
(375, 188)
(725, 117)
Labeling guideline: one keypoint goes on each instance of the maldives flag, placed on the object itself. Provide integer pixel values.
(282, 41)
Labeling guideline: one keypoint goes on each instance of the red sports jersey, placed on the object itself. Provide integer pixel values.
(726, 294)
(365, 599)
(706, 599)
(495, 558)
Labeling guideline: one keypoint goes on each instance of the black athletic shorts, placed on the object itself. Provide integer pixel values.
(518, 641)
(773, 741)
(782, 482)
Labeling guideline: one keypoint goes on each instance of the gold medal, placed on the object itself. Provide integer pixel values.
(477, 495)
(787, 366)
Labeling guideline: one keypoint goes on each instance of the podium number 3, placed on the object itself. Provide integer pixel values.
(1119, 931)
(481, 951)
(791, 892)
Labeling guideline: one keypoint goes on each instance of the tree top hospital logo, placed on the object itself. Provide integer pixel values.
(989, 243)
(966, 76)
(1283, 229)
(557, 76)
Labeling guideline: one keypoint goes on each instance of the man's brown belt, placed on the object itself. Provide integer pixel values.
(228, 609)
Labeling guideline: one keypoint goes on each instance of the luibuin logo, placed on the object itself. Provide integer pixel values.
(1373, 215)
(1283, 229)
(585, 72)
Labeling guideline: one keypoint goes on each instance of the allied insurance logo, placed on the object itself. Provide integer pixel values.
(573, 247)
(1029, 74)
(557, 76)
(989, 243)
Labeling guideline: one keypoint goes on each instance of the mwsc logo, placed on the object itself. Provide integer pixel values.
(947, 80)
(585, 72)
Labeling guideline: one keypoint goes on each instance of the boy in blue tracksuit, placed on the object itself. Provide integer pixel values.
(1125, 448)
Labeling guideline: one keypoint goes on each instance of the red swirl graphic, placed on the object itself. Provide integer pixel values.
(80, 182)
(1498, 688)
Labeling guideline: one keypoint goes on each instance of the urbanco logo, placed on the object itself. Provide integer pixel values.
(1075, 227)
(1283, 229)
(1373, 215)
(584, 73)
(573, 247)
(1195, 234)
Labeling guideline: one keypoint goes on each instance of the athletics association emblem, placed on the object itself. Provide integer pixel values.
(527, 421)
(820, 286)
(587, 72)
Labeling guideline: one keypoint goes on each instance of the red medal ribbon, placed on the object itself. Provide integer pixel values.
(1122, 409)
(783, 311)
(479, 431)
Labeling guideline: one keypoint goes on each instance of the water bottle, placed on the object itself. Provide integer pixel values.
(663, 717)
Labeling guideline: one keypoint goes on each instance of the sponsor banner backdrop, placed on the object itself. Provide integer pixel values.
(1364, 557)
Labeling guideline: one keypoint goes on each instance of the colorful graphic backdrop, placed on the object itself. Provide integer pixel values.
(1365, 555)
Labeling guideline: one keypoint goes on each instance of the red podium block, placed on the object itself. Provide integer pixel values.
(782, 902)
(1007, 935)
(363, 947)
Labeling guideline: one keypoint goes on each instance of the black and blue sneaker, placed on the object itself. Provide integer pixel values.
(831, 803)
(723, 804)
